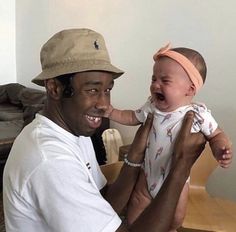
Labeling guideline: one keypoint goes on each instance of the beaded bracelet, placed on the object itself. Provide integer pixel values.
(134, 165)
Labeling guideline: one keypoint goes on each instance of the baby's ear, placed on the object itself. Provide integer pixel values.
(191, 90)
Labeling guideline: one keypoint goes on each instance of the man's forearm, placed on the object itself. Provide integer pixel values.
(119, 192)
(158, 216)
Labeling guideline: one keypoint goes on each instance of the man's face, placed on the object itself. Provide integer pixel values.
(82, 113)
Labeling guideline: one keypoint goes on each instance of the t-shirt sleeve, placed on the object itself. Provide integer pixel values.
(69, 199)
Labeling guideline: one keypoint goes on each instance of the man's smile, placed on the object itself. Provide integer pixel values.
(94, 121)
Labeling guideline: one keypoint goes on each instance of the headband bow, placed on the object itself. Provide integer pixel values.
(187, 65)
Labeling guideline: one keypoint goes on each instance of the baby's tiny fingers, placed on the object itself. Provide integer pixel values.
(223, 165)
(225, 162)
(227, 156)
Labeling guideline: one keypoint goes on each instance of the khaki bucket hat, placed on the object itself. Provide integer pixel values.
(72, 51)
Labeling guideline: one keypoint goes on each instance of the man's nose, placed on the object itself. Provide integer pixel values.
(103, 102)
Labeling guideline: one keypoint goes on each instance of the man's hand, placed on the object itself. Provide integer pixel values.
(187, 149)
(188, 146)
(137, 150)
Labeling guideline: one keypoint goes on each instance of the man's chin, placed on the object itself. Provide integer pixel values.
(89, 133)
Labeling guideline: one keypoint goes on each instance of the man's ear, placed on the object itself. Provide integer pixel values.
(54, 88)
(191, 90)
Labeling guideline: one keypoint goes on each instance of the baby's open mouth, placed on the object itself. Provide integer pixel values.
(160, 96)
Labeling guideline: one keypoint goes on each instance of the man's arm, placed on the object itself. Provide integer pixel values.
(119, 192)
(187, 149)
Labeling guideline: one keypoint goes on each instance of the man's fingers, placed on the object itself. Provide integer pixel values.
(143, 131)
(148, 123)
(187, 123)
(140, 140)
(145, 128)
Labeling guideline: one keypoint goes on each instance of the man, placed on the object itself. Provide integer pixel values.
(52, 181)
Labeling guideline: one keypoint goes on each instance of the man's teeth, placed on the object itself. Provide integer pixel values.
(95, 119)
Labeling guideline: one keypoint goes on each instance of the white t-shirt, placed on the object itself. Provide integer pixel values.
(52, 182)
(166, 126)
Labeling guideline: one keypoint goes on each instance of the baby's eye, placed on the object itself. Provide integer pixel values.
(166, 81)
(153, 80)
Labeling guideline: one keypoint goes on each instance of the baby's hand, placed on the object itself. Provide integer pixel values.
(223, 155)
(108, 111)
(221, 148)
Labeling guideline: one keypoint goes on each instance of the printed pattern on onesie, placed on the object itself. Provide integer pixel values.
(162, 138)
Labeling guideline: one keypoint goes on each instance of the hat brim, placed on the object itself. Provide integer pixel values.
(75, 68)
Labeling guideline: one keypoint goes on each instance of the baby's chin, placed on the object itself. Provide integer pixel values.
(161, 104)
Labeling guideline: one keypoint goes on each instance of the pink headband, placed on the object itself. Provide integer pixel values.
(190, 69)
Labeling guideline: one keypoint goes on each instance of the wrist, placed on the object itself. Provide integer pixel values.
(183, 167)
(220, 140)
(132, 164)
(183, 162)
(134, 156)
(214, 141)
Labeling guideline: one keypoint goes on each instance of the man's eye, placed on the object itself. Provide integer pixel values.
(92, 91)
(108, 90)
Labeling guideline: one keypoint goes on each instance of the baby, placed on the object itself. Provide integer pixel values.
(178, 74)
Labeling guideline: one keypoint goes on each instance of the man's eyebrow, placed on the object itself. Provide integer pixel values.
(95, 82)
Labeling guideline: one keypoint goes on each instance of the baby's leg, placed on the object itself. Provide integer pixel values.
(180, 209)
(139, 200)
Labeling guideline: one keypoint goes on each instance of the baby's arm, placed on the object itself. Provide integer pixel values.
(221, 147)
(125, 117)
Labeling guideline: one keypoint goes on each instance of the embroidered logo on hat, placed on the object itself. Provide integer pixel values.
(96, 44)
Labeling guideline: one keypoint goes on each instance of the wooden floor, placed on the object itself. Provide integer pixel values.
(210, 213)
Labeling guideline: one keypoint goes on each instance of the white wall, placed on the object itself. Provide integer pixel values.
(7, 42)
(134, 30)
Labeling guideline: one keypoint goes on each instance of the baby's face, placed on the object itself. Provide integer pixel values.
(171, 86)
